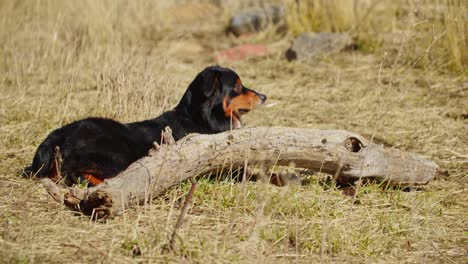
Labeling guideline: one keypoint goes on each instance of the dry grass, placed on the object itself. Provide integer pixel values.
(130, 60)
(374, 23)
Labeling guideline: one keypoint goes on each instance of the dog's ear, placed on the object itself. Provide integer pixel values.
(210, 82)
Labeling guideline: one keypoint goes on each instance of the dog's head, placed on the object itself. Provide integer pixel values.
(217, 98)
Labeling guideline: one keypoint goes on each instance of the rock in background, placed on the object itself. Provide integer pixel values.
(255, 19)
(309, 45)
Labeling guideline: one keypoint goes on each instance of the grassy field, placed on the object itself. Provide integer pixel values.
(405, 85)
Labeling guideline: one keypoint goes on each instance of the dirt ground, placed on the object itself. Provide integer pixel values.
(130, 60)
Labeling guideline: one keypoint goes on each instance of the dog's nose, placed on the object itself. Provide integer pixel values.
(262, 97)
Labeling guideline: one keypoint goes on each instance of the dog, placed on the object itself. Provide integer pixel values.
(95, 149)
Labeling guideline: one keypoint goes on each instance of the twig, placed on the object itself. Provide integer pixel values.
(182, 214)
(58, 163)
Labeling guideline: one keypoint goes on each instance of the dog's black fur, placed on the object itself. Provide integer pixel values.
(104, 147)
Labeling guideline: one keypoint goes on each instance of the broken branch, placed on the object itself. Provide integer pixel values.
(347, 156)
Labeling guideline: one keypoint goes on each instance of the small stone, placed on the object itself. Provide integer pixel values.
(256, 19)
(309, 45)
(242, 52)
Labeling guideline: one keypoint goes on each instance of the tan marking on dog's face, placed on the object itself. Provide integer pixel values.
(228, 113)
(245, 101)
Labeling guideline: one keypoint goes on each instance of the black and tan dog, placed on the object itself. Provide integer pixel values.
(97, 148)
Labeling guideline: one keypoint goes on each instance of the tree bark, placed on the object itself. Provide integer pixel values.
(347, 156)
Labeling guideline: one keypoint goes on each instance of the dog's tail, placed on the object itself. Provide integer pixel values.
(44, 158)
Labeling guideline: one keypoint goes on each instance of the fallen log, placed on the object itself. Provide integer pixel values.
(347, 156)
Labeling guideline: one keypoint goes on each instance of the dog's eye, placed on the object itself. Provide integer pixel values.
(238, 86)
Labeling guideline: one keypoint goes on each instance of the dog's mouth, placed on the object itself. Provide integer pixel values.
(243, 111)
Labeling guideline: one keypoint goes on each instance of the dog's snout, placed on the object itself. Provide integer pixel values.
(262, 97)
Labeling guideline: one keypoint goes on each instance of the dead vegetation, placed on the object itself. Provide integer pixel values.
(130, 60)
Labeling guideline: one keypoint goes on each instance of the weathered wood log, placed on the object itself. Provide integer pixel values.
(347, 156)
